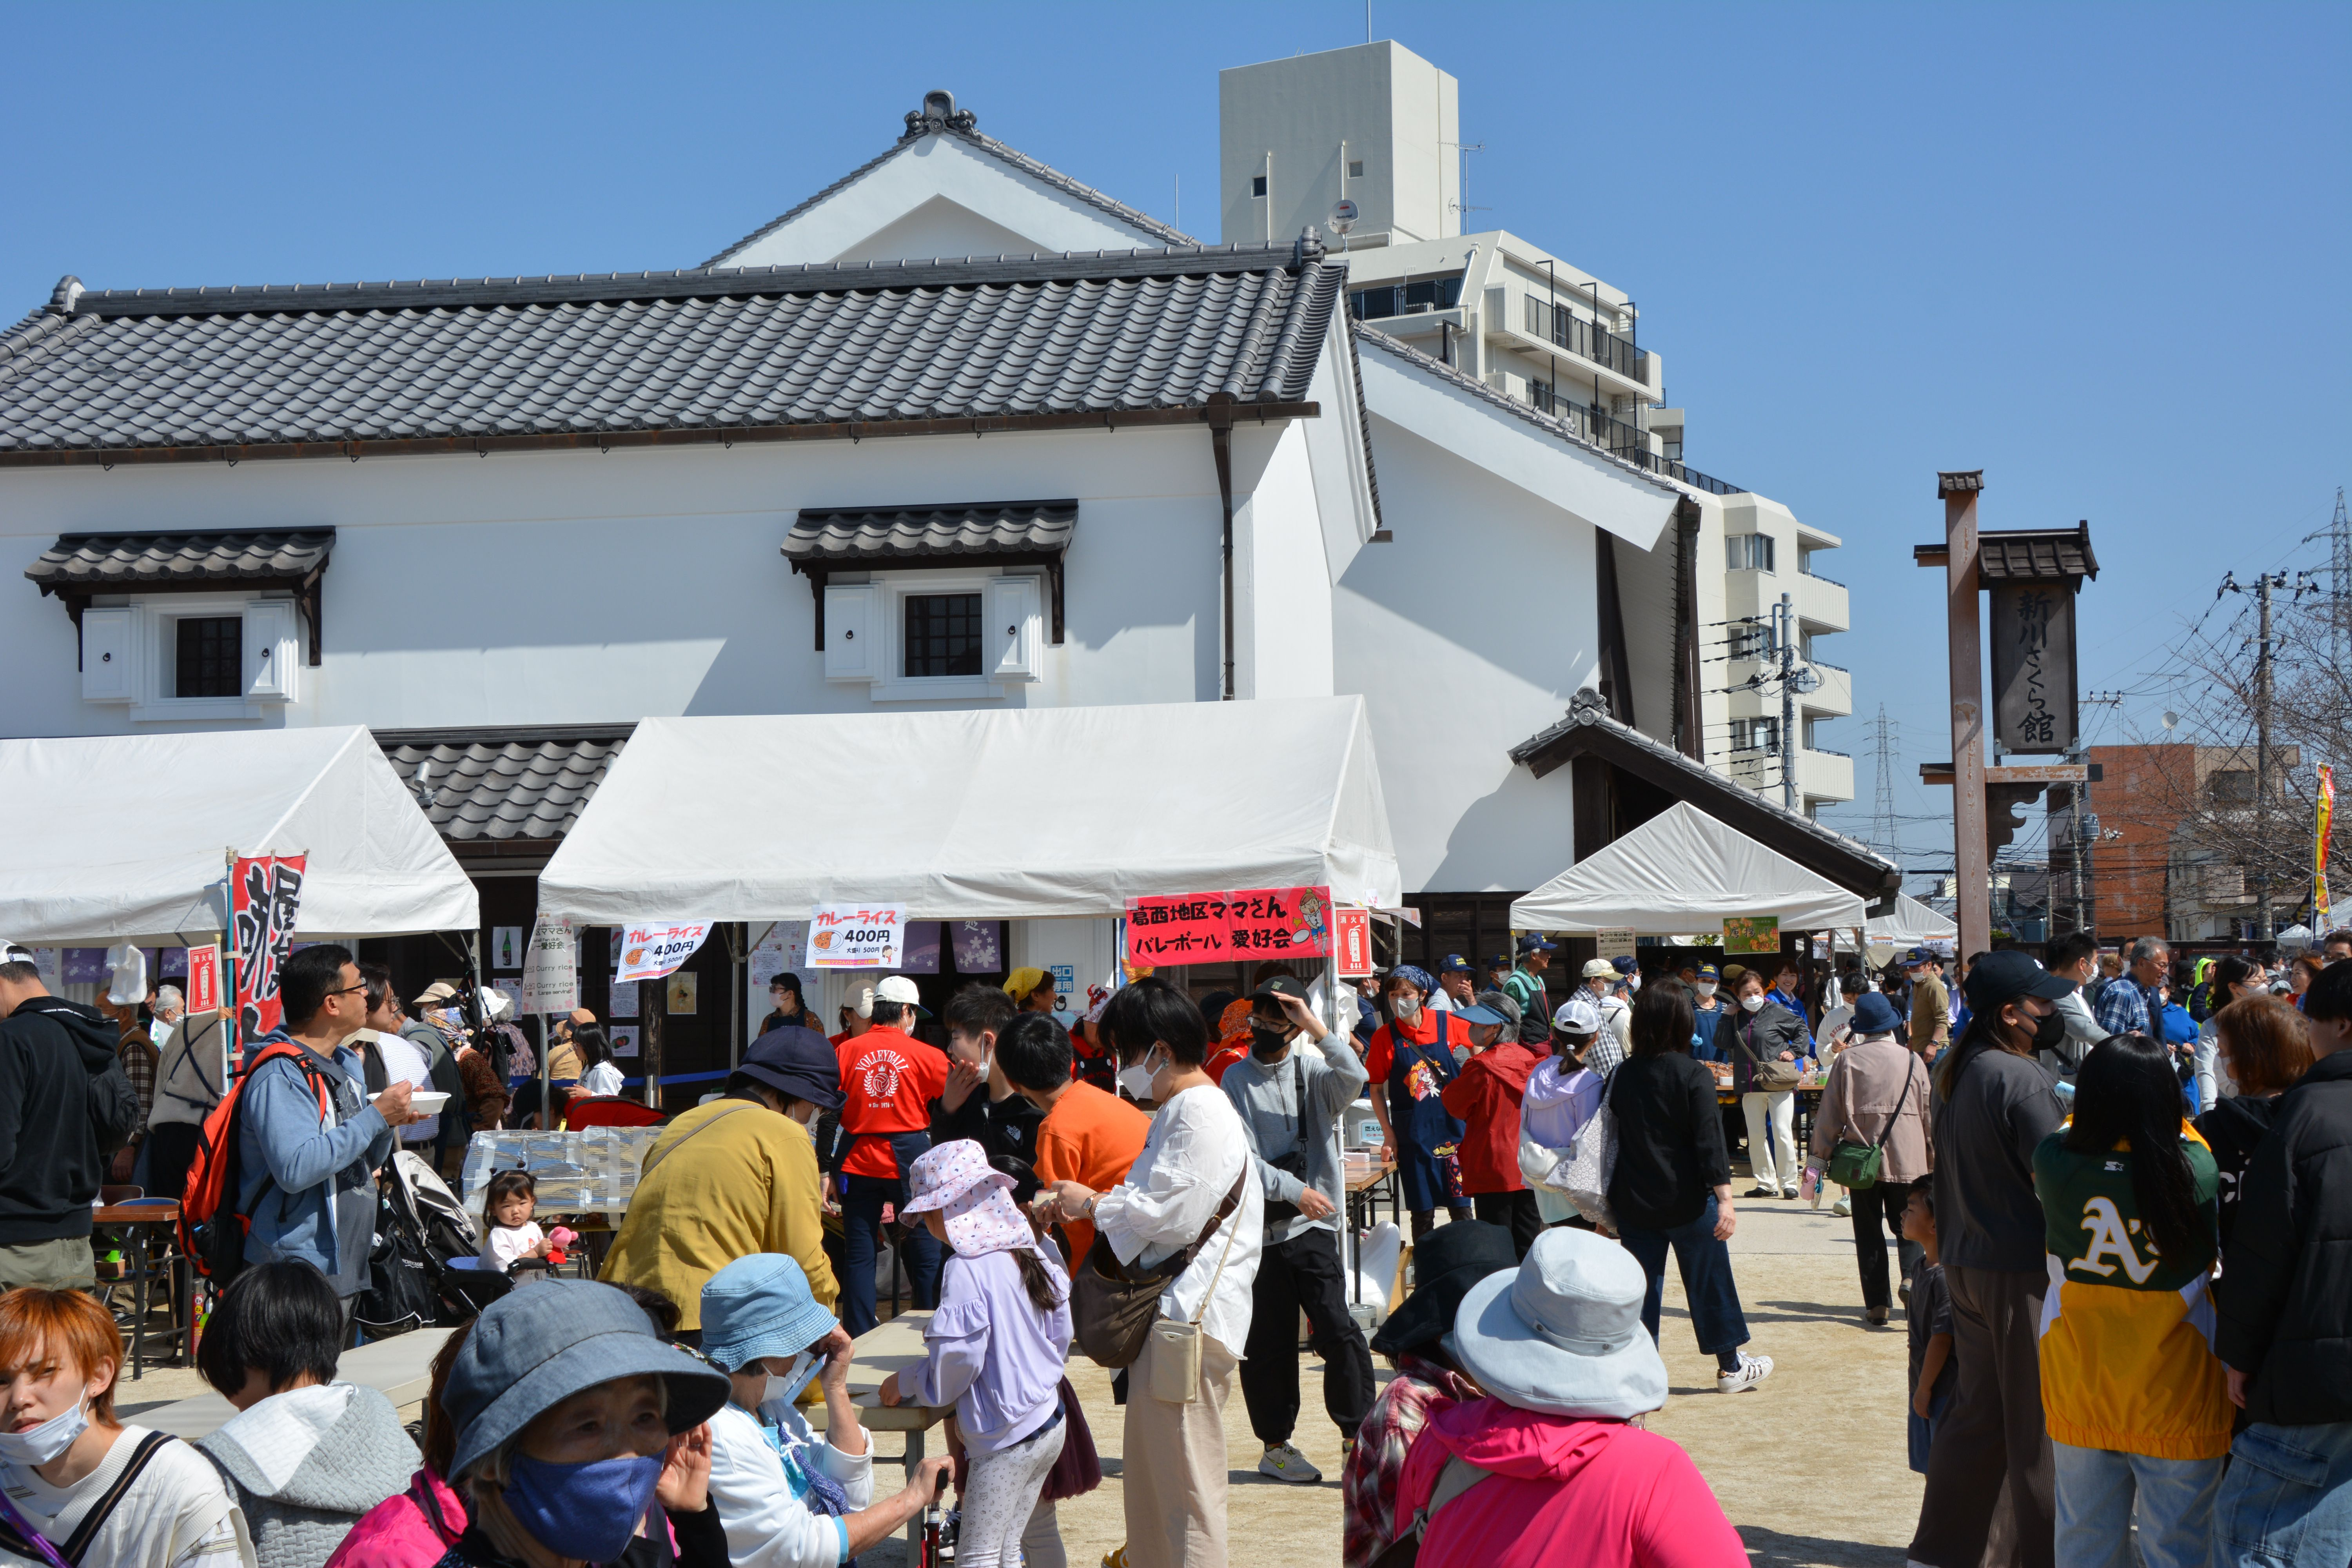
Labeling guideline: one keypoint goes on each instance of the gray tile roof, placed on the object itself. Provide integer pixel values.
(847, 535)
(960, 125)
(1478, 389)
(771, 351)
(497, 784)
(2035, 554)
(104, 562)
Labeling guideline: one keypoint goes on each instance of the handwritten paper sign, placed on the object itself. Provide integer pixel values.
(856, 936)
(1219, 928)
(651, 949)
(203, 979)
(1615, 943)
(550, 968)
(1751, 933)
(265, 894)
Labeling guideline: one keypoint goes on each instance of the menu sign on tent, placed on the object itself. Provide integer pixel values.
(1217, 927)
(651, 949)
(857, 936)
(1752, 933)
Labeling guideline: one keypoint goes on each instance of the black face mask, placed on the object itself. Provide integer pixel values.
(1267, 1045)
(2049, 1031)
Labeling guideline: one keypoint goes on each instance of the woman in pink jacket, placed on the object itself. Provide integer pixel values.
(1554, 1472)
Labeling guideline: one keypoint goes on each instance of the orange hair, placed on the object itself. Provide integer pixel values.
(58, 1326)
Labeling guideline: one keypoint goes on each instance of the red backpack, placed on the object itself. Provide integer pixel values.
(212, 1231)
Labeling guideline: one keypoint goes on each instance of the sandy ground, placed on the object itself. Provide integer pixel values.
(1808, 1466)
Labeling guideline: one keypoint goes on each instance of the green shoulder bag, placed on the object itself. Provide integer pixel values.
(1856, 1165)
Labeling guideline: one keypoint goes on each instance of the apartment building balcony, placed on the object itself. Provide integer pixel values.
(1834, 698)
(1824, 776)
(1822, 603)
(1553, 335)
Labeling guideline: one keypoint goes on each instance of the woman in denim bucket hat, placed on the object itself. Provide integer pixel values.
(785, 1499)
(575, 1426)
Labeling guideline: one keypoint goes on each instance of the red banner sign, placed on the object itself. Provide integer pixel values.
(1355, 934)
(264, 893)
(203, 979)
(1220, 928)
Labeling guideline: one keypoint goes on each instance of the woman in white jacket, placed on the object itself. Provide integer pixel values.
(1561, 1096)
(785, 1498)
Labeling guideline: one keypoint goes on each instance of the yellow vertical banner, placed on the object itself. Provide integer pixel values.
(2320, 917)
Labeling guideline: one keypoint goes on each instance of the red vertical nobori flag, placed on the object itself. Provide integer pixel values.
(264, 893)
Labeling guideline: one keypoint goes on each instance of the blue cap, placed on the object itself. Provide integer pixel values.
(1709, 971)
(1483, 1016)
(1534, 942)
(760, 1305)
(1918, 955)
(1623, 963)
(1875, 1015)
(1455, 963)
(1500, 961)
(535, 1348)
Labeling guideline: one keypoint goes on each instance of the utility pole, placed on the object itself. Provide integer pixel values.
(2339, 584)
(2263, 758)
(1972, 855)
(1785, 628)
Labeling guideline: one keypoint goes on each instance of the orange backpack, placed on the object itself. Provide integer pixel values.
(212, 1231)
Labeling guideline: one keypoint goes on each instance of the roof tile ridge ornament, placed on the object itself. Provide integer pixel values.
(62, 297)
(937, 114)
(1308, 250)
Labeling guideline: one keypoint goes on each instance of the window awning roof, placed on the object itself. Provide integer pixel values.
(125, 837)
(858, 536)
(112, 563)
(998, 815)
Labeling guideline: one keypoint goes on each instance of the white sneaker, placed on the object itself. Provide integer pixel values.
(1286, 1463)
(1753, 1369)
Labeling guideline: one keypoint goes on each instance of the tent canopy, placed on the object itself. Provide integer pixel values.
(127, 837)
(1685, 870)
(1002, 814)
(1909, 924)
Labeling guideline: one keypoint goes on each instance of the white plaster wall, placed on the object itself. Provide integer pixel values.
(850, 224)
(1282, 606)
(579, 586)
(1467, 635)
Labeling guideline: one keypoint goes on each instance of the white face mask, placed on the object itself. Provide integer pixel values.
(1706, 987)
(785, 1389)
(1751, 1003)
(46, 1441)
(1137, 1079)
(1408, 1008)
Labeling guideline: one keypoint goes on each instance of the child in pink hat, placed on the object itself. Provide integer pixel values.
(998, 1343)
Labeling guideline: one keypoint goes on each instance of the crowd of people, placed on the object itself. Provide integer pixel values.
(2119, 1235)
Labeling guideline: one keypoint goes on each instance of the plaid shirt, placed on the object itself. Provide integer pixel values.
(1368, 1490)
(137, 1054)
(2123, 1007)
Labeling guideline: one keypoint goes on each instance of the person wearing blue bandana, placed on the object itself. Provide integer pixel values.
(785, 1498)
(576, 1429)
(1412, 1058)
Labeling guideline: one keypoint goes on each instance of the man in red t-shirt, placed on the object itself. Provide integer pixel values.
(889, 1079)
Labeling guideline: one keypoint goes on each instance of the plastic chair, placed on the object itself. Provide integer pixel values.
(610, 1110)
(110, 1195)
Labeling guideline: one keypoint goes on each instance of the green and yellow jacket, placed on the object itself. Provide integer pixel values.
(2127, 1360)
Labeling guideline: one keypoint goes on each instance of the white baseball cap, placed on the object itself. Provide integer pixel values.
(860, 1001)
(898, 988)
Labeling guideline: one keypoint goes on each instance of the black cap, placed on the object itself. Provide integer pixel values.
(2000, 978)
(1446, 1263)
(794, 1059)
(1279, 985)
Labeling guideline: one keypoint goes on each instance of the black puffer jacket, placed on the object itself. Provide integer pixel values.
(1762, 1035)
(65, 1105)
(2284, 1298)
(2233, 1130)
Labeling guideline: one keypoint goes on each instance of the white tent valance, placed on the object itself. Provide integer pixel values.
(1019, 813)
(126, 837)
(1910, 923)
(1684, 871)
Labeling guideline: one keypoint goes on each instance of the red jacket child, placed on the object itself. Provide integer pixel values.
(1486, 1095)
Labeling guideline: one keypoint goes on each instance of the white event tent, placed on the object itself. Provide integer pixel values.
(1910, 925)
(1684, 871)
(126, 838)
(1039, 812)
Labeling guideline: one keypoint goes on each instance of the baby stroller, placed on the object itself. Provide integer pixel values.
(422, 1232)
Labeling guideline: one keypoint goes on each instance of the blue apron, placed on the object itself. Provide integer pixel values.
(1417, 1116)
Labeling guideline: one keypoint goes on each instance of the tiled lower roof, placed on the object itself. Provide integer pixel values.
(844, 535)
(102, 563)
(496, 784)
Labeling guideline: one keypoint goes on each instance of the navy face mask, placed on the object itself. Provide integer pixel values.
(590, 1510)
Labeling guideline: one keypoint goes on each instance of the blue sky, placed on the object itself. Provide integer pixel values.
(2100, 251)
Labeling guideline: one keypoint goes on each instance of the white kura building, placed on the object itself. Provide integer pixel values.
(955, 432)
